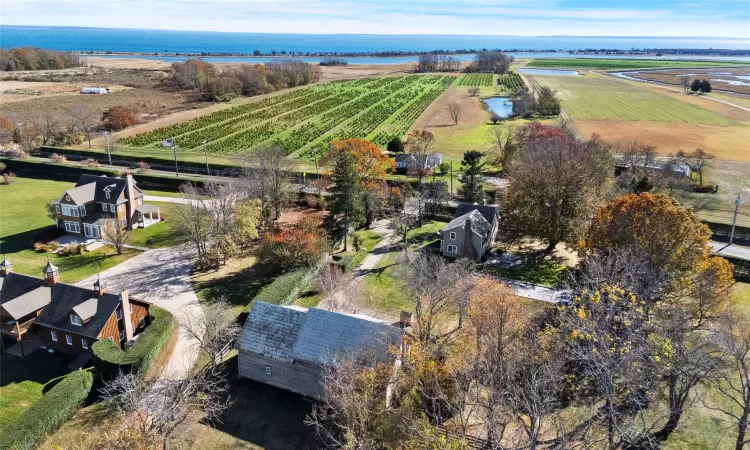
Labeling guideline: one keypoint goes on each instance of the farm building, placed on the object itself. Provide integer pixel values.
(94, 90)
(290, 347)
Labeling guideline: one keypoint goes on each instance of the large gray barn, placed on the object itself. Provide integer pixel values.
(289, 347)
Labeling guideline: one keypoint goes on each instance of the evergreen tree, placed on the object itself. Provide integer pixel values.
(705, 86)
(395, 145)
(696, 85)
(471, 189)
(346, 200)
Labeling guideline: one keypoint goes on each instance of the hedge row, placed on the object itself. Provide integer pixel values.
(59, 172)
(50, 412)
(279, 291)
(109, 359)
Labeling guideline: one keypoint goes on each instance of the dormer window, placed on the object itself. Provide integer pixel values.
(76, 320)
(106, 193)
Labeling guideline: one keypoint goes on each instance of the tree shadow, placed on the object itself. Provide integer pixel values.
(24, 241)
(238, 288)
(39, 367)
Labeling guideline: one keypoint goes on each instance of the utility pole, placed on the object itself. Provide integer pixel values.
(451, 178)
(734, 221)
(174, 151)
(106, 146)
(205, 152)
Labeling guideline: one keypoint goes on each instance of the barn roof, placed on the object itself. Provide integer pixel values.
(271, 331)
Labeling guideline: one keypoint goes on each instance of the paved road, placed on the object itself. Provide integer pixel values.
(734, 250)
(160, 276)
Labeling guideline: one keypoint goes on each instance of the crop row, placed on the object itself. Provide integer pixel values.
(234, 113)
(475, 79)
(510, 81)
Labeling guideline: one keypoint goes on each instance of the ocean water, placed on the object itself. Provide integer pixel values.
(150, 41)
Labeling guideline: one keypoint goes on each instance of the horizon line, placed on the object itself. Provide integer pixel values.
(385, 34)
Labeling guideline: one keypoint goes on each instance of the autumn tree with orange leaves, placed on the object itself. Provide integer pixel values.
(371, 164)
(300, 245)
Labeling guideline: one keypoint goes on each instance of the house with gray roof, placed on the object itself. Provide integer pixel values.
(290, 347)
(406, 161)
(65, 317)
(99, 201)
(471, 233)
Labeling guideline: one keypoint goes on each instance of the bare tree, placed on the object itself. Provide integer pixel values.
(400, 225)
(454, 109)
(699, 161)
(685, 84)
(116, 233)
(418, 144)
(733, 383)
(46, 125)
(212, 330)
(473, 91)
(82, 121)
(267, 176)
(157, 408)
(193, 222)
(330, 278)
(504, 146)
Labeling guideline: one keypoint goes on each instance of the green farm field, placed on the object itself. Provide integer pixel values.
(623, 64)
(598, 98)
(305, 120)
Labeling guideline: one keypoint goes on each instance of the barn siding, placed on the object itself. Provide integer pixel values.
(303, 379)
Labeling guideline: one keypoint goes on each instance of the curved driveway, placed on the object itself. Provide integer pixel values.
(162, 277)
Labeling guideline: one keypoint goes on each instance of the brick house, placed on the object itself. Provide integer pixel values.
(64, 317)
(100, 201)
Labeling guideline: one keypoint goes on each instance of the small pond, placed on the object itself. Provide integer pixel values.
(556, 72)
(499, 105)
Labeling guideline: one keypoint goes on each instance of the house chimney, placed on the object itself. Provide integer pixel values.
(100, 288)
(130, 194)
(468, 238)
(126, 320)
(51, 274)
(5, 267)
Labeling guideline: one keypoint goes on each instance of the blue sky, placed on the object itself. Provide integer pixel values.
(698, 18)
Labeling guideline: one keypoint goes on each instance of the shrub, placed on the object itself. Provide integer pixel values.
(345, 262)
(311, 201)
(58, 158)
(71, 249)
(143, 167)
(282, 288)
(18, 154)
(706, 189)
(109, 359)
(50, 412)
(300, 245)
(91, 162)
(41, 247)
(9, 178)
(118, 117)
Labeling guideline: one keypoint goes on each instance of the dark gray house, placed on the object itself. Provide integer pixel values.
(471, 233)
(289, 347)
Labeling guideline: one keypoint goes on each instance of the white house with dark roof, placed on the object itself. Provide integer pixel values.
(290, 347)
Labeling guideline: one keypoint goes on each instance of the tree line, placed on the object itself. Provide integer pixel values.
(246, 80)
(31, 58)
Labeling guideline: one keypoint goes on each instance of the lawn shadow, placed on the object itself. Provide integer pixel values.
(238, 288)
(15, 243)
(266, 416)
(39, 367)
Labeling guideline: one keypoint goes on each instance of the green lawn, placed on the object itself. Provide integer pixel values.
(368, 240)
(736, 99)
(23, 215)
(533, 269)
(383, 290)
(601, 98)
(23, 381)
(238, 281)
(160, 234)
(426, 234)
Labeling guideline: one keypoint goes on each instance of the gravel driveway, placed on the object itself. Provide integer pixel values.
(160, 276)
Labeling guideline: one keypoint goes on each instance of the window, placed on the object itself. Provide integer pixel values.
(142, 322)
(82, 210)
(72, 227)
(268, 370)
(452, 236)
(53, 334)
(90, 230)
(104, 207)
(106, 193)
(452, 249)
(57, 208)
(140, 200)
(118, 314)
(68, 339)
(130, 305)
(121, 207)
(70, 210)
(122, 335)
(75, 319)
(85, 344)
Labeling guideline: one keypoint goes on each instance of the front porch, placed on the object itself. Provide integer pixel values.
(147, 215)
(15, 328)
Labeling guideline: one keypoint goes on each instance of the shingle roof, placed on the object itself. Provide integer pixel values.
(28, 302)
(63, 298)
(325, 333)
(82, 193)
(49, 268)
(145, 209)
(87, 309)
(478, 223)
(271, 331)
(116, 186)
(488, 212)
(313, 336)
